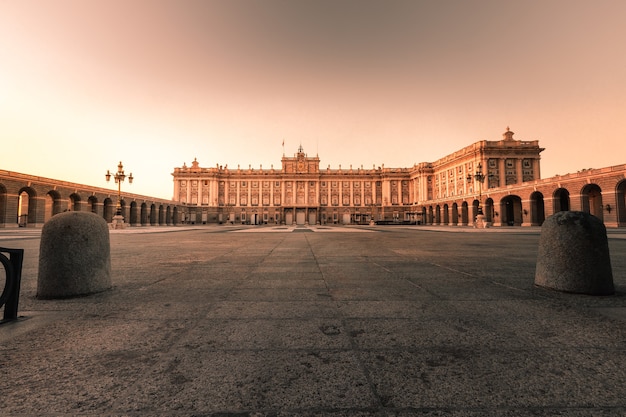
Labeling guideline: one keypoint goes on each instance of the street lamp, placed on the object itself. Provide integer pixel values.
(480, 177)
(119, 177)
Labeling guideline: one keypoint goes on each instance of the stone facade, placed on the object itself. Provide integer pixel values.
(444, 192)
(30, 201)
(297, 193)
(448, 191)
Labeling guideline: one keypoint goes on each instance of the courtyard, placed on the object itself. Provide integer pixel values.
(317, 321)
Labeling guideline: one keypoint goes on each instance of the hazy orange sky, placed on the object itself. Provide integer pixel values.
(85, 84)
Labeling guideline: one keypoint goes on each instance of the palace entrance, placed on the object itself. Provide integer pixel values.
(300, 217)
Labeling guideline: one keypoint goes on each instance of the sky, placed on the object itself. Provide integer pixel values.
(85, 84)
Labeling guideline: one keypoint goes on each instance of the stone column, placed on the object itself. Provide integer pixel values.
(536, 169)
(176, 189)
(519, 173)
(200, 186)
(349, 193)
(386, 195)
(283, 193)
(328, 195)
(318, 200)
(237, 195)
(502, 172)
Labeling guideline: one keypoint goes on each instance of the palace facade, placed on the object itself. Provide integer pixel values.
(501, 179)
(450, 190)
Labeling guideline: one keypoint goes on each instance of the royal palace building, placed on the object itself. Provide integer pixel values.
(300, 192)
(488, 183)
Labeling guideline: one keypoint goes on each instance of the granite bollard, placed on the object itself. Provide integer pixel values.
(74, 256)
(574, 255)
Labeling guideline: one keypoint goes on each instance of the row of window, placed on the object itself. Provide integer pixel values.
(289, 184)
(323, 184)
(358, 217)
(289, 200)
(492, 165)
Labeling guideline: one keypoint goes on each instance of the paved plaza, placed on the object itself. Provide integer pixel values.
(317, 321)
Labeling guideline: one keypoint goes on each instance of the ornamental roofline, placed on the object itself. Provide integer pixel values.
(482, 148)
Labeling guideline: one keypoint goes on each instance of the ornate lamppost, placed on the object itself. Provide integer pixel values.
(119, 177)
(479, 177)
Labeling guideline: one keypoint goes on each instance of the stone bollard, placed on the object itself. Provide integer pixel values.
(74, 256)
(574, 255)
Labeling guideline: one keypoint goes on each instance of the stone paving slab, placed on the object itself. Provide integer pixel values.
(397, 321)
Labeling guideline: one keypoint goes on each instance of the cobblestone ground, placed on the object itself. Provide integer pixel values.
(317, 321)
